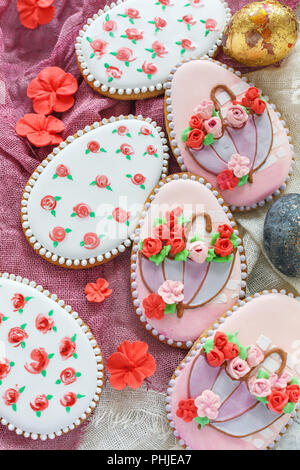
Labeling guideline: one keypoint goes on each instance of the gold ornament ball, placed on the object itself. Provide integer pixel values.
(261, 33)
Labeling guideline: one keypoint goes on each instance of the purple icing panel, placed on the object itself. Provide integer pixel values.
(202, 377)
(245, 139)
(152, 274)
(238, 403)
(193, 276)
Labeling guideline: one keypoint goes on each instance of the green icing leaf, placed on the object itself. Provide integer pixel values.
(23, 345)
(294, 381)
(78, 374)
(68, 409)
(141, 245)
(14, 406)
(216, 113)
(73, 339)
(22, 389)
(289, 408)
(243, 352)
(70, 177)
(214, 238)
(170, 309)
(50, 313)
(28, 298)
(50, 356)
(75, 355)
(39, 414)
(157, 259)
(243, 180)
(11, 364)
(44, 373)
(49, 397)
(262, 399)
(23, 326)
(232, 337)
(89, 39)
(208, 345)
(202, 421)
(54, 176)
(185, 134)
(234, 240)
(54, 329)
(211, 255)
(182, 220)
(262, 374)
(68, 230)
(196, 238)
(80, 396)
(182, 256)
(208, 140)
(159, 221)
(225, 259)
(58, 382)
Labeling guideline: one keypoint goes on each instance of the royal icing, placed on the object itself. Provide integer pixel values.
(226, 131)
(238, 388)
(188, 265)
(46, 387)
(131, 48)
(77, 210)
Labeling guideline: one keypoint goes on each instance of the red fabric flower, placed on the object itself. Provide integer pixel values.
(196, 122)
(225, 231)
(40, 130)
(43, 323)
(215, 358)
(220, 340)
(230, 351)
(151, 247)
(277, 401)
(258, 106)
(98, 291)
(40, 361)
(293, 392)
(18, 301)
(154, 306)
(67, 376)
(195, 138)
(130, 365)
(52, 90)
(40, 403)
(187, 410)
(67, 348)
(223, 247)
(227, 180)
(35, 12)
(16, 336)
(177, 245)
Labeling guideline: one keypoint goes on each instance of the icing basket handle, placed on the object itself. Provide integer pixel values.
(283, 357)
(214, 97)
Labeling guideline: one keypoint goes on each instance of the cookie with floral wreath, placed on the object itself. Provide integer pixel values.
(127, 51)
(188, 262)
(46, 388)
(238, 388)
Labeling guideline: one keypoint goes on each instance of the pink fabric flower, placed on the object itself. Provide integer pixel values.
(198, 251)
(205, 109)
(236, 116)
(171, 292)
(237, 368)
(208, 404)
(239, 165)
(255, 356)
(214, 126)
(259, 387)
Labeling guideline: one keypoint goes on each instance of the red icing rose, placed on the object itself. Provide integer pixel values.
(67, 376)
(178, 231)
(160, 23)
(277, 401)
(133, 33)
(225, 230)
(215, 358)
(62, 171)
(211, 24)
(187, 410)
(230, 351)
(1, 317)
(93, 146)
(151, 150)
(173, 216)
(188, 19)
(99, 47)
(67, 348)
(114, 72)
(120, 215)
(227, 181)
(18, 301)
(125, 54)
(133, 13)
(69, 399)
(35, 12)
(145, 131)
(11, 396)
(220, 340)
(223, 247)
(195, 139)
(245, 102)
(48, 203)
(138, 179)
(4, 368)
(102, 181)
(166, 3)
(177, 245)
(40, 403)
(258, 106)
(252, 93)
(159, 49)
(82, 210)
(109, 26)
(91, 241)
(151, 247)
(58, 234)
(187, 44)
(122, 130)
(16, 336)
(40, 361)
(149, 68)
(43, 323)
(196, 122)
(40, 130)
(127, 149)
(162, 232)
(293, 392)
(154, 306)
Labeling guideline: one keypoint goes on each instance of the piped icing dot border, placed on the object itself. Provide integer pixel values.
(176, 151)
(98, 357)
(198, 345)
(130, 93)
(135, 248)
(103, 258)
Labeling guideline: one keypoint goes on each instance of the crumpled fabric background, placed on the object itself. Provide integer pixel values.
(131, 419)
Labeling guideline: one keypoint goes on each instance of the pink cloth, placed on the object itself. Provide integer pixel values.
(23, 54)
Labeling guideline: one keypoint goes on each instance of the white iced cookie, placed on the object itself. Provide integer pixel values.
(46, 387)
(128, 50)
(80, 206)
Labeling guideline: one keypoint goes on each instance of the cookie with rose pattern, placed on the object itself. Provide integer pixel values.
(46, 388)
(127, 51)
(80, 206)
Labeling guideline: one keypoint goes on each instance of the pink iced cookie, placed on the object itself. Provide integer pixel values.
(224, 129)
(188, 263)
(238, 388)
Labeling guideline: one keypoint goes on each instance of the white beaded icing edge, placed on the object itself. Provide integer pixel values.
(159, 87)
(198, 345)
(98, 356)
(176, 150)
(135, 248)
(85, 262)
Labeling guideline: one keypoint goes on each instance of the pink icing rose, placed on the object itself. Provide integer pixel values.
(109, 26)
(211, 24)
(171, 292)
(259, 387)
(239, 165)
(205, 109)
(208, 404)
(187, 44)
(236, 116)
(198, 251)
(282, 381)
(197, 3)
(214, 126)
(255, 356)
(162, 232)
(237, 368)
